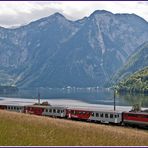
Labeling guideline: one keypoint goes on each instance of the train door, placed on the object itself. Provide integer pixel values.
(68, 113)
(62, 113)
(117, 118)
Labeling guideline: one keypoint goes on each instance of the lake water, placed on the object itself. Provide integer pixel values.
(89, 95)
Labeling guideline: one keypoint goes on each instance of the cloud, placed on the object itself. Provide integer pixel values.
(22, 12)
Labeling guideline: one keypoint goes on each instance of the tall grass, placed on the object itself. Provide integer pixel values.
(18, 129)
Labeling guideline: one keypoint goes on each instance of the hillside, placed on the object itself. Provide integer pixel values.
(28, 130)
(136, 62)
(57, 52)
(137, 82)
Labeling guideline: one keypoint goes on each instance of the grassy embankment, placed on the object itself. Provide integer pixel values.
(26, 130)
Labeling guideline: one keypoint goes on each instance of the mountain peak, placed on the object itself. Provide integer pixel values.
(96, 12)
(57, 14)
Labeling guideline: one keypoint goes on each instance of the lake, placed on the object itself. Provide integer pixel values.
(88, 95)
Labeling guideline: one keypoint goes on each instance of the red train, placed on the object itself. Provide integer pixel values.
(91, 114)
(136, 118)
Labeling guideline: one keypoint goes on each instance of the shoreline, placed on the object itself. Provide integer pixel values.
(62, 102)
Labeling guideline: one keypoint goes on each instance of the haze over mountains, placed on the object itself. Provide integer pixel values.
(56, 52)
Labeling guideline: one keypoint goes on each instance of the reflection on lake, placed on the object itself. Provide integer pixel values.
(89, 95)
(132, 99)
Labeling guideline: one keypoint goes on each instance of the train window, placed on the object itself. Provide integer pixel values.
(84, 112)
(17, 108)
(74, 112)
(93, 114)
(145, 116)
(54, 110)
(14, 107)
(80, 112)
(111, 115)
(58, 111)
(46, 110)
(132, 115)
(9, 107)
(97, 114)
(101, 115)
(62, 111)
(106, 115)
(117, 116)
(50, 110)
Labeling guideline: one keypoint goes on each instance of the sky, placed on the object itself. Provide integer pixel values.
(16, 13)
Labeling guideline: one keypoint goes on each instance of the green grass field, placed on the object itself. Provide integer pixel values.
(18, 129)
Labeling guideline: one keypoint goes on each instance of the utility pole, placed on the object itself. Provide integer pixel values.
(114, 99)
(38, 97)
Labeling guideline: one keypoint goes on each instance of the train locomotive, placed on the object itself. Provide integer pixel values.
(136, 118)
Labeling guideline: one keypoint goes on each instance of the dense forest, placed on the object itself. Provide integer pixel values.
(135, 83)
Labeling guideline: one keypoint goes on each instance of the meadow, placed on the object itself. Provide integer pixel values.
(17, 129)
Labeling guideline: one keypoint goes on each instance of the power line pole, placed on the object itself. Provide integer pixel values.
(38, 97)
(114, 99)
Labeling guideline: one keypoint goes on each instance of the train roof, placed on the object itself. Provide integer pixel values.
(47, 106)
(21, 105)
(95, 109)
(77, 108)
(138, 112)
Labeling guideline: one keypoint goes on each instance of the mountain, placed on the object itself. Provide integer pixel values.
(56, 52)
(135, 62)
(136, 82)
